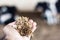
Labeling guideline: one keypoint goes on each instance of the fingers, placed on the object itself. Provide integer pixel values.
(33, 25)
(31, 21)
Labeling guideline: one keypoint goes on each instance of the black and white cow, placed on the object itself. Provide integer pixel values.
(7, 14)
(50, 9)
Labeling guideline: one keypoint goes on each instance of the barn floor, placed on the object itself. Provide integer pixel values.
(43, 31)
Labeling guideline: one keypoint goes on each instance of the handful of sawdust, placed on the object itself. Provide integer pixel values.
(23, 25)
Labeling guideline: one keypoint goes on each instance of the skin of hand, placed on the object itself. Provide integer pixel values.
(12, 34)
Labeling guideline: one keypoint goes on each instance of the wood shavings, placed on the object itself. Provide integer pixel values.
(24, 26)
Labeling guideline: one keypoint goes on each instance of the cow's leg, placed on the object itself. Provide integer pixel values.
(49, 16)
(54, 12)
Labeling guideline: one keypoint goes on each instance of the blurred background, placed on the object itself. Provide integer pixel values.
(34, 9)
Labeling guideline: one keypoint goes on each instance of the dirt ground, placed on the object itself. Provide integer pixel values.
(43, 31)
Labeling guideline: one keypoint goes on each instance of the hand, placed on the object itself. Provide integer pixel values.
(12, 34)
